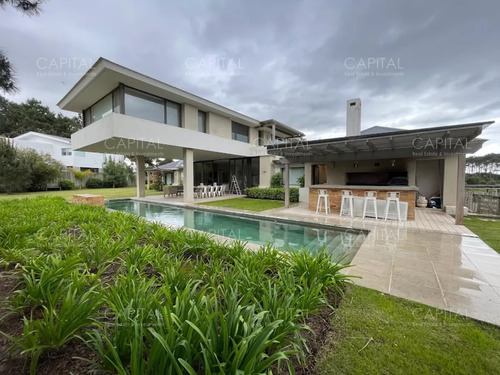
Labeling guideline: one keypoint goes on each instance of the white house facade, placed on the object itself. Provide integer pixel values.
(60, 149)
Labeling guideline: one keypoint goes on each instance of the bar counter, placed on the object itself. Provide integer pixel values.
(407, 194)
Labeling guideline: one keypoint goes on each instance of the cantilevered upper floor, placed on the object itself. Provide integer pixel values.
(126, 112)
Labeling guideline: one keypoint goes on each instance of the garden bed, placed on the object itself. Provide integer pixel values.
(132, 297)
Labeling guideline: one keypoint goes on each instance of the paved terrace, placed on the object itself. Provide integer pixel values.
(430, 260)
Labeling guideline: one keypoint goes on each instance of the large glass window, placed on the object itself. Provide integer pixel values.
(202, 122)
(102, 108)
(173, 114)
(295, 174)
(141, 105)
(239, 132)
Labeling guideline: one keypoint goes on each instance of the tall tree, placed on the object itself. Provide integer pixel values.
(32, 115)
(30, 8)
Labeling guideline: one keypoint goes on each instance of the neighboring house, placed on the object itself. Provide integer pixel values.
(171, 173)
(61, 150)
(128, 113)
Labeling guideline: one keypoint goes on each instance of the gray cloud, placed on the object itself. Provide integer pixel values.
(281, 59)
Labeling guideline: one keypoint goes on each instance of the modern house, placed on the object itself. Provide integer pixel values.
(60, 149)
(128, 113)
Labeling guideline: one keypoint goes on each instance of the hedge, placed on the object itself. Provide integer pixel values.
(94, 183)
(272, 193)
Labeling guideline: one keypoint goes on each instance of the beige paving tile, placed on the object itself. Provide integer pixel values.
(416, 278)
(413, 264)
(497, 289)
(374, 255)
(475, 308)
(478, 250)
(461, 268)
(371, 280)
(492, 266)
(408, 246)
(467, 287)
(377, 248)
(492, 278)
(412, 255)
(371, 266)
(418, 293)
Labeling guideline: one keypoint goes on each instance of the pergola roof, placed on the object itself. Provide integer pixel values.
(432, 142)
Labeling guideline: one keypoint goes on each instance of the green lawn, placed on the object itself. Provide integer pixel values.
(247, 204)
(379, 334)
(487, 229)
(67, 194)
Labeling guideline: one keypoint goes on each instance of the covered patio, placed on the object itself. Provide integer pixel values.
(428, 161)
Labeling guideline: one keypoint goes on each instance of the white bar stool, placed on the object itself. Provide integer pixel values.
(370, 196)
(392, 196)
(323, 197)
(347, 196)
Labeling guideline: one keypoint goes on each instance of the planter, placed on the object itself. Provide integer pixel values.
(422, 202)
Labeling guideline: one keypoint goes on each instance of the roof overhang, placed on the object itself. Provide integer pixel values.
(435, 142)
(104, 76)
(284, 130)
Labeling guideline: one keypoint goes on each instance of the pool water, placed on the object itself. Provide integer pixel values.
(342, 243)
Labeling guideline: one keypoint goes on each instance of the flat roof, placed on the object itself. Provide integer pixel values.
(104, 76)
(425, 142)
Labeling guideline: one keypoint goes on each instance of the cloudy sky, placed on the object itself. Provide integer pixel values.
(413, 63)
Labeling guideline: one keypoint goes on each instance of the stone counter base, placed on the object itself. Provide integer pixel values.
(408, 196)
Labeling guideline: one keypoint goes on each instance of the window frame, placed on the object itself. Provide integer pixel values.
(204, 116)
(234, 134)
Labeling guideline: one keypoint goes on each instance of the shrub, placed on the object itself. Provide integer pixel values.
(116, 174)
(81, 176)
(67, 184)
(302, 181)
(272, 193)
(94, 183)
(277, 180)
(24, 169)
(154, 186)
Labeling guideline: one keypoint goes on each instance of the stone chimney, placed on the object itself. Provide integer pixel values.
(353, 117)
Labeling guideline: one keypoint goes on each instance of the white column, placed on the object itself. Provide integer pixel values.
(286, 180)
(449, 198)
(307, 175)
(411, 169)
(459, 209)
(188, 176)
(140, 176)
(147, 173)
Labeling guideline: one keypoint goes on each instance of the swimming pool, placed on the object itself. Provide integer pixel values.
(340, 242)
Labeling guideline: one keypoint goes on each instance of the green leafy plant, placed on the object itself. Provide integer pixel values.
(272, 193)
(81, 176)
(301, 181)
(67, 185)
(60, 323)
(94, 183)
(277, 180)
(148, 299)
